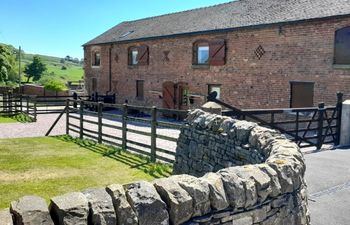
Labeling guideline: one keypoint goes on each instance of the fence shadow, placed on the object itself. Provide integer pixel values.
(156, 170)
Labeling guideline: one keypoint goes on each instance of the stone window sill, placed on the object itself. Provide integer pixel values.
(341, 66)
(95, 67)
(200, 67)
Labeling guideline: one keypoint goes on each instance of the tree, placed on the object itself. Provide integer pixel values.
(35, 69)
(7, 62)
(3, 74)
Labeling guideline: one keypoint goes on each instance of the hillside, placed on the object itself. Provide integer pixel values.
(57, 68)
(73, 72)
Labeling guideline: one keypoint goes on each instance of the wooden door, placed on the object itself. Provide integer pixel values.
(302, 94)
(169, 101)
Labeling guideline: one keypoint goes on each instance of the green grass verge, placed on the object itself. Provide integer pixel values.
(50, 166)
(7, 119)
(22, 118)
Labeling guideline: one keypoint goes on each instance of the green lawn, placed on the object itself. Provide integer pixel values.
(51, 166)
(6, 119)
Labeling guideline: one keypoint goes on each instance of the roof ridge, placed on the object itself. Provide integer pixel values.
(184, 11)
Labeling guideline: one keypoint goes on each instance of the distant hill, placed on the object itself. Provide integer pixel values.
(59, 68)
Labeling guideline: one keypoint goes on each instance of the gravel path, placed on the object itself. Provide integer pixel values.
(44, 122)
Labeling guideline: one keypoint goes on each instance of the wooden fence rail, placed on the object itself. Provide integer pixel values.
(92, 124)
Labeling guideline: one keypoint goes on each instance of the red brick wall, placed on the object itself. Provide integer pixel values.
(302, 52)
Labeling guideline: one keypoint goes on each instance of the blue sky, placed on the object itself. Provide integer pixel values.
(60, 27)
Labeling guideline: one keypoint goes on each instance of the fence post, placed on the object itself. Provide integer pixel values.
(34, 101)
(154, 134)
(67, 116)
(124, 125)
(320, 126)
(339, 113)
(100, 107)
(9, 96)
(81, 119)
(20, 102)
(5, 102)
(27, 99)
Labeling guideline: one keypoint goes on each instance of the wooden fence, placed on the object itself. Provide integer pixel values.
(95, 121)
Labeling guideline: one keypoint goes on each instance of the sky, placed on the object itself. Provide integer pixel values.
(60, 27)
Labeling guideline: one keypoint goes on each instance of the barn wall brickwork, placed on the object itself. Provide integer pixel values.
(293, 52)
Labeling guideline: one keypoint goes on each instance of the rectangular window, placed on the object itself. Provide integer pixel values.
(96, 61)
(216, 88)
(203, 55)
(139, 89)
(302, 94)
(134, 54)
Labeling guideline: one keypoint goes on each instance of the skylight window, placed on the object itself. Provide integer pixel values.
(127, 33)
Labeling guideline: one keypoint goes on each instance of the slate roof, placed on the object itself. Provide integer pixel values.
(231, 15)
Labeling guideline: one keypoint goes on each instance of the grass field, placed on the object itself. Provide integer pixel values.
(51, 166)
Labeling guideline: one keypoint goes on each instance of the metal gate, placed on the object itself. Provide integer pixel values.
(308, 127)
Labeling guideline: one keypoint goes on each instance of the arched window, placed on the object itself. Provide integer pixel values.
(211, 52)
(342, 46)
(133, 55)
(201, 53)
(96, 58)
(138, 55)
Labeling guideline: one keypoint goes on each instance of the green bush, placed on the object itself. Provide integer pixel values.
(55, 85)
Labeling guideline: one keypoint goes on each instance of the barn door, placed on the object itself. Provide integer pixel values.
(169, 95)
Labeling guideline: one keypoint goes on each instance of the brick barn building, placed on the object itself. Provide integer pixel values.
(255, 53)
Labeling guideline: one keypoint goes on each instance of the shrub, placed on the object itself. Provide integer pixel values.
(63, 68)
(55, 85)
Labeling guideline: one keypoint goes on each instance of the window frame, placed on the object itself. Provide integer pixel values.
(335, 63)
(215, 85)
(94, 59)
(195, 52)
(130, 56)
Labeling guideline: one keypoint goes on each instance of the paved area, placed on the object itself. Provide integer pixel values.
(328, 179)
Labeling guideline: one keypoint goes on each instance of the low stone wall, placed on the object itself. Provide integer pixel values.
(243, 175)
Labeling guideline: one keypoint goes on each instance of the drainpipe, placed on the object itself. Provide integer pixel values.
(110, 69)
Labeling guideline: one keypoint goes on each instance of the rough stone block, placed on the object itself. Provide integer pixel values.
(217, 195)
(149, 207)
(234, 188)
(101, 207)
(124, 211)
(178, 200)
(70, 209)
(199, 190)
(30, 210)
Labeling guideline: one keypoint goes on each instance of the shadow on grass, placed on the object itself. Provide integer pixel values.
(156, 170)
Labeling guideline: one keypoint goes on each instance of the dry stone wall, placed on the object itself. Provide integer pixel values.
(227, 172)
